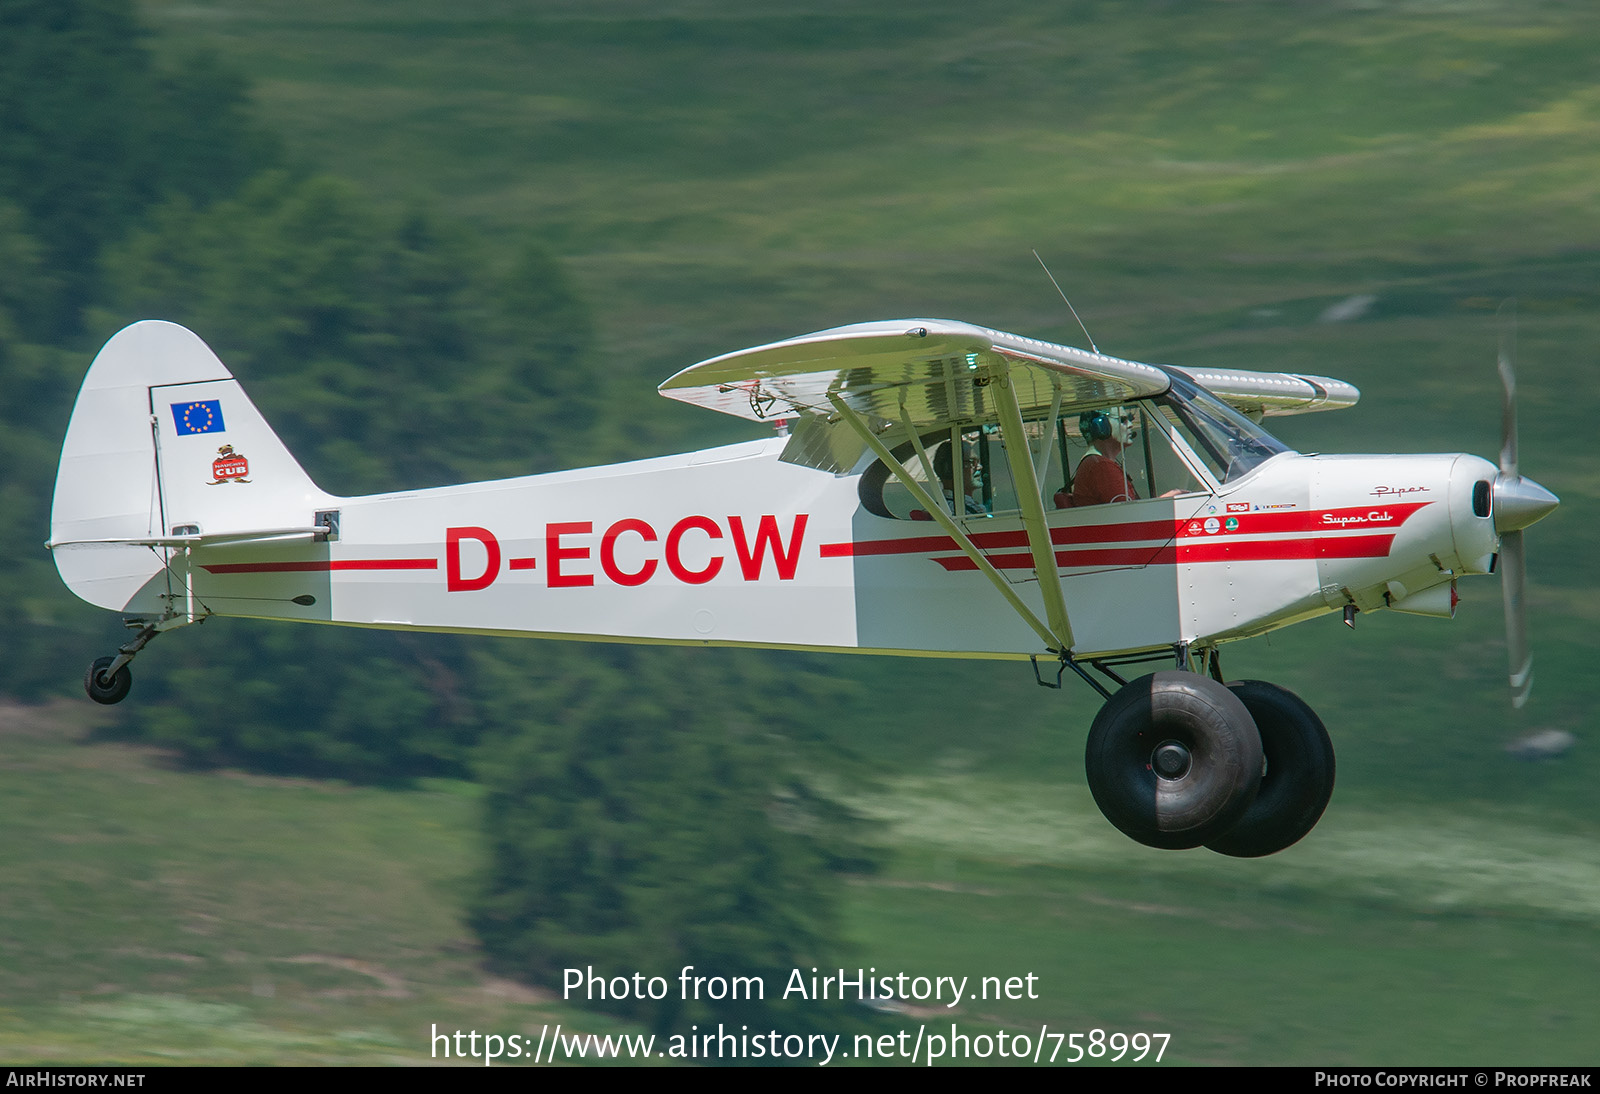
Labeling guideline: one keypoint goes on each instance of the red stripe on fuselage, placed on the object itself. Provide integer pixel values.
(1131, 543)
(1272, 550)
(1113, 556)
(1303, 520)
(1130, 532)
(323, 566)
(1193, 543)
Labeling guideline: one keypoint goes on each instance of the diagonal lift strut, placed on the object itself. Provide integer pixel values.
(1057, 638)
(1030, 501)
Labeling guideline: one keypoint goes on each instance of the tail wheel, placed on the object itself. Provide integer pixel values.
(1173, 760)
(1298, 781)
(107, 689)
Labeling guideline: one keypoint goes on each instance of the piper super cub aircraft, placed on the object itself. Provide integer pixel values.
(945, 490)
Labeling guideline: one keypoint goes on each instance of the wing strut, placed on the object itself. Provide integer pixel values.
(1030, 500)
(937, 511)
(922, 452)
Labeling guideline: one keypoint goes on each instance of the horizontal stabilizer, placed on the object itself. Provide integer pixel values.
(221, 539)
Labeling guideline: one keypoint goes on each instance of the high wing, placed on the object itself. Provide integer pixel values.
(901, 376)
(935, 368)
(915, 373)
(1274, 394)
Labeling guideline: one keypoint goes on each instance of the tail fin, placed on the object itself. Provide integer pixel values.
(164, 448)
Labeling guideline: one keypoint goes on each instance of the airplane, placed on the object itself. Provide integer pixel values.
(932, 488)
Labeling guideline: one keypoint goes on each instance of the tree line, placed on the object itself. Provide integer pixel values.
(645, 808)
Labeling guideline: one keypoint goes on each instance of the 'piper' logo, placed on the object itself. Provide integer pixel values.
(229, 466)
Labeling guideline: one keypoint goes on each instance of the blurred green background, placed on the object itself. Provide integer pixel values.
(387, 216)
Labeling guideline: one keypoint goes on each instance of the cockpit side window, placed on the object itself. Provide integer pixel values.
(1124, 454)
(1112, 454)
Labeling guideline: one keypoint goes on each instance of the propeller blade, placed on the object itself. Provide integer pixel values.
(1517, 503)
(1513, 585)
(1508, 393)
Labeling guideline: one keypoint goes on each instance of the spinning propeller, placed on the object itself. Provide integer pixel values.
(1518, 502)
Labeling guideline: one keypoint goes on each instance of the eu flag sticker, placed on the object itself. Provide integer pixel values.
(198, 417)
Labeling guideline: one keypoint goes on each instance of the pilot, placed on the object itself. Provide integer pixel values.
(1100, 478)
(943, 467)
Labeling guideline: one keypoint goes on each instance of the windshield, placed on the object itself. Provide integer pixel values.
(1231, 444)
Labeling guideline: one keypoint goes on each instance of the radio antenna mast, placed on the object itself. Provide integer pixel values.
(1065, 301)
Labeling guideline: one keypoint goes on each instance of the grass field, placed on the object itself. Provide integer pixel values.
(154, 916)
(1207, 181)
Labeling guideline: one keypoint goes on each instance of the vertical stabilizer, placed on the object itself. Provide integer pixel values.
(163, 441)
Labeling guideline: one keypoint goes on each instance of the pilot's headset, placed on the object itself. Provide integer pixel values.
(1101, 425)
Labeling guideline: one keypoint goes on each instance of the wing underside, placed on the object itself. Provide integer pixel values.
(922, 374)
(926, 372)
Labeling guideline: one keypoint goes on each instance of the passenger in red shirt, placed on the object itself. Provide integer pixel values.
(1101, 480)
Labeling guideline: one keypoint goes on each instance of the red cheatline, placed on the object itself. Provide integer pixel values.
(1130, 532)
(1265, 550)
(1219, 550)
(1136, 556)
(323, 566)
(1195, 544)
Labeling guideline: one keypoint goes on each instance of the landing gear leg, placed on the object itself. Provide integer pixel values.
(108, 680)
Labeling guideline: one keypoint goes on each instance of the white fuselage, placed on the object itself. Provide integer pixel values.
(731, 546)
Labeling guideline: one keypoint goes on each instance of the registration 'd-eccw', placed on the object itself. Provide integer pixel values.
(935, 488)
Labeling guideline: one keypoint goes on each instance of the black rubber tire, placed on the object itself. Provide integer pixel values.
(1298, 782)
(107, 691)
(1224, 769)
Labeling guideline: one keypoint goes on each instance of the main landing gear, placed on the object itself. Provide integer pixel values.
(1178, 760)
